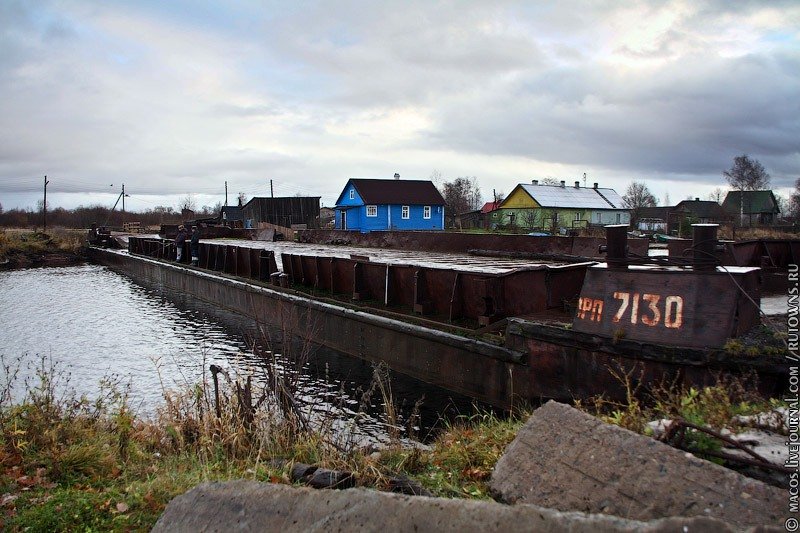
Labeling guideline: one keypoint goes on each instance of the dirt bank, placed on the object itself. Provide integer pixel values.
(28, 249)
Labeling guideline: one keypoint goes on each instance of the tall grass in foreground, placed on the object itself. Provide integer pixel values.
(70, 462)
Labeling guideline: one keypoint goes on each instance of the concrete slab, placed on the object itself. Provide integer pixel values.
(264, 507)
(571, 461)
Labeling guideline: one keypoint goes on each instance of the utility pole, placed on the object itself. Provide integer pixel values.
(271, 192)
(44, 206)
(123, 204)
(226, 194)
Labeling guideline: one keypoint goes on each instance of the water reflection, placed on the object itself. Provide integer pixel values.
(94, 322)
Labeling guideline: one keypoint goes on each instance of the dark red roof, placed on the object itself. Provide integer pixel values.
(488, 207)
(417, 192)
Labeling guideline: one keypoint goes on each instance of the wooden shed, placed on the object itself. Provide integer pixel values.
(287, 211)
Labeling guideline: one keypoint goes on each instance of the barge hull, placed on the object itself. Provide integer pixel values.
(486, 372)
(537, 361)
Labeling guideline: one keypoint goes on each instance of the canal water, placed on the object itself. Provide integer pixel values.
(94, 323)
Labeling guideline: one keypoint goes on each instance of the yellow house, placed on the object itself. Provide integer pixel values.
(560, 208)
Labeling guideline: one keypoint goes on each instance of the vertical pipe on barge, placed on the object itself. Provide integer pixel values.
(704, 246)
(617, 246)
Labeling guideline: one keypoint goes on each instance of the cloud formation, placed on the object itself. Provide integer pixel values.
(175, 98)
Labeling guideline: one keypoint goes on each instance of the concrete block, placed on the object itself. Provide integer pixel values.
(568, 460)
(264, 507)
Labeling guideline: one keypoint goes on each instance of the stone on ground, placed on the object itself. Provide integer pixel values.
(264, 507)
(568, 460)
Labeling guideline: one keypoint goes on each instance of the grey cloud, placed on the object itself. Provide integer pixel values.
(496, 79)
(400, 57)
(247, 110)
(686, 119)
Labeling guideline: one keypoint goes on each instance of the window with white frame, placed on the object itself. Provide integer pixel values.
(405, 212)
(352, 194)
(372, 210)
(426, 212)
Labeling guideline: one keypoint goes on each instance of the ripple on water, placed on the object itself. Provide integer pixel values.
(94, 322)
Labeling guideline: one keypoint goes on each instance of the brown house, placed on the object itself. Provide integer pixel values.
(287, 212)
(695, 211)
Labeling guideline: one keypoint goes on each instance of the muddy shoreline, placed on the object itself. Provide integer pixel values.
(22, 260)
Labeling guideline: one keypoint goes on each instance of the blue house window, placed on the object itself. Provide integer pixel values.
(372, 210)
(405, 212)
(352, 194)
(426, 212)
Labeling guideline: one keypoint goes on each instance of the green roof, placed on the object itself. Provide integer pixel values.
(751, 203)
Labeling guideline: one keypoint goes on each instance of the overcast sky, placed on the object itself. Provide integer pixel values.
(174, 98)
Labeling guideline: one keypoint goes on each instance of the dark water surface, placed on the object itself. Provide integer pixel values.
(94, 322)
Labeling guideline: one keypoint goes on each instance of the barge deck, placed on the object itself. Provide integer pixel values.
(532, 356)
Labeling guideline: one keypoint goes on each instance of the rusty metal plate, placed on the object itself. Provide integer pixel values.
(666, 305)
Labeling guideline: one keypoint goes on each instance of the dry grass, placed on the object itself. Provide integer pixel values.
(25, 242)
(726, 232)
(117, 471)
(716, 407)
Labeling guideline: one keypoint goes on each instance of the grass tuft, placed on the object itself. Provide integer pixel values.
(70, 463)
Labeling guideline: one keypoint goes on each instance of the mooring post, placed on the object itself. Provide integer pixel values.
(616, 247)
(704, 246)
(214, 371)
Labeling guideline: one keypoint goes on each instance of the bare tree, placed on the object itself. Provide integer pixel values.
(549, 180)
(747, 174)
(187, 203)
(793, 209)
(530, 219)
(783, 205)
(242, 197)
(437, 178)
(637, 196)
(462, 194)
(163, 210)
(717, 195)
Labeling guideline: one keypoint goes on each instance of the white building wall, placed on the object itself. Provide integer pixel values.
(611, 216)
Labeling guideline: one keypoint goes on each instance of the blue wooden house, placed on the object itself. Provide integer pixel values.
(381, 205)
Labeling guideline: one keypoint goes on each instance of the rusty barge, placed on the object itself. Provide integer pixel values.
(502, 331)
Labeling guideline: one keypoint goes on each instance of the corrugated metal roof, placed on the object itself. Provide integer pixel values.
(416, 192)
(574, 197)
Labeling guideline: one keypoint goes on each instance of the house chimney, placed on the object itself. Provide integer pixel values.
(697, 199)
(535, 182)
(577, 184)
(595, 185)
(396, 176)
(563, 183)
